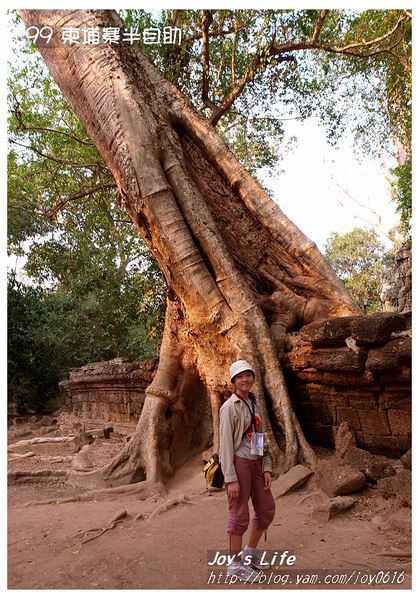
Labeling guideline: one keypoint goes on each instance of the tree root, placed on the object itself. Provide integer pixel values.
(20, 456)
(41, 440)
(396, 554)
(308, 455)
(119, 517)
(42, 476)
(142, 491)
(309, 496)
(168, 505)
(122, 515)
(56, 459)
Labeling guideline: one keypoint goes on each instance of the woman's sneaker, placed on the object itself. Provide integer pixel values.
(243, 572)
(255, 560)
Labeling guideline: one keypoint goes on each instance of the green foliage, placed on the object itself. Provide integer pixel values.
(366, 91)
(95, 290)
(52, 330)
(33, 363)
(402, 194)
(358, 258)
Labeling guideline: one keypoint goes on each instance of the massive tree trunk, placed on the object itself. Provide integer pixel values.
(240, 275)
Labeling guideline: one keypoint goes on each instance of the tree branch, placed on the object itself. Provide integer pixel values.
(94, 165)
(373, 42)
(47, 129)
(251, 71)
(376, 223)
(205, 23)
(278, 51)
(82, 194)
(233, 55)
(319, 26)
(23, 127)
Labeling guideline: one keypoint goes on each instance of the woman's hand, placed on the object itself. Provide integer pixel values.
(233, 490)
(268, 481)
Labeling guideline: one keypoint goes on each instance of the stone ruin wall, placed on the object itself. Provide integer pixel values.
(358, 370)
(397, 283)
(109, 392)
(353, 369)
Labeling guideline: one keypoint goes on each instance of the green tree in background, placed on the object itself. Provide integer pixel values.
(358, 257)
(402, 195)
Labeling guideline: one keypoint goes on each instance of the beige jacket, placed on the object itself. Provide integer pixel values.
(231, 434)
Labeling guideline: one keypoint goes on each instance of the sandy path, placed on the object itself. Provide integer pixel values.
(171, 551)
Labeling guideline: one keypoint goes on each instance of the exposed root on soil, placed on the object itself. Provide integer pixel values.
(142, 491)
(118, 518)
(56, 459)
(396, 553)
(20, 456)
(309, 496)
(168, 505)
(41, 476)
(41, 440)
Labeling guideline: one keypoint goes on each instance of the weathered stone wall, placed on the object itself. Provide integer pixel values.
(397, 283)
(354, 369)
(109, 392)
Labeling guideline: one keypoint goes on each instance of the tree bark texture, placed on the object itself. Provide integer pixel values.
(240, 274)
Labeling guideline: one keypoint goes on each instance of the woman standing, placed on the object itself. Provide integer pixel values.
(247, 472)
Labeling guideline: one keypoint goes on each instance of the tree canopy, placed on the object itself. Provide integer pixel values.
(358, 257)
(253, 68)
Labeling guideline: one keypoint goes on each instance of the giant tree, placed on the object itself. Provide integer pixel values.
(239, 274)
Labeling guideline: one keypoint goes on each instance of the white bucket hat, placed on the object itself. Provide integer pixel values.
(238, 367)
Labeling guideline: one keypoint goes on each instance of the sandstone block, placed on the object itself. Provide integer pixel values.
(350, 416)
(346, 380)
(83, 439)
(374, 421)
(342, 359)
(404, 377)
(388, 445)
(339, 478)
(291, 480)
(51, 429)
(376, 328)
(406, 460)
(390, 356)
(332, 507)
(48, 421)
(399, 398)
(400, 421)
(81, 462)
(327, 332)
(373, 466)
(325, 394)
(298, 359)
(101, 432)
(344, 439)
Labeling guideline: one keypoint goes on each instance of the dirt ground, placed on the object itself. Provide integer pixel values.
(49, 548)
